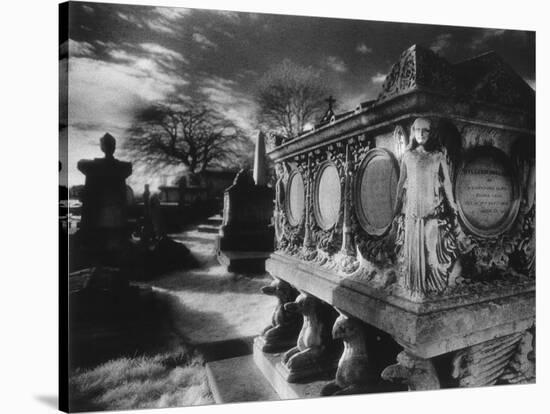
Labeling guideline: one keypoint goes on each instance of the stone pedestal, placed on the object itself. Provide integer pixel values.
(271, 368)
(104, 204)
(246, 236)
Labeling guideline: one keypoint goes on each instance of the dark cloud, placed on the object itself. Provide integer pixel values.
(125, 56)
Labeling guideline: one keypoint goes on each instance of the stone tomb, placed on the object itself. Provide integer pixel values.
(413, 217)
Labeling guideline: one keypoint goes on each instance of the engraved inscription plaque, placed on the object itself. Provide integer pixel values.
(328, 196)
(486, 192)
(375, 191)
(295, 198)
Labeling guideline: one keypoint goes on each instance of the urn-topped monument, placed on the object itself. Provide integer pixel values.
(415, 215)
(104, 207)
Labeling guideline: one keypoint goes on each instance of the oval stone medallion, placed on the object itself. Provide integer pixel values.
(486, 191)
(375, 191)
(327, 196)
(295, 199)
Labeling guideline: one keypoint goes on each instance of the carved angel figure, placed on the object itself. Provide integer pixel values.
(425, 197)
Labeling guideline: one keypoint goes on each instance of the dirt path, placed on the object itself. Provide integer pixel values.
(208, 303)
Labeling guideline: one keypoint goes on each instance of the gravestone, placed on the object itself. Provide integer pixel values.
(246, 237)
(157, 219)
(104, 200)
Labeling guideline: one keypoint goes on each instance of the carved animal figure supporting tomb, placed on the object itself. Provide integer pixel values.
(354, 370)
(282, 332)
(416, 373)
(309, 351)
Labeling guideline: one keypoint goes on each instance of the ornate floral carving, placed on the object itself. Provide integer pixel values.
(289, 238)
(418, 67)
(510, 253)
(465, 263)
(368, 250)
(320, 245)
(281, 174)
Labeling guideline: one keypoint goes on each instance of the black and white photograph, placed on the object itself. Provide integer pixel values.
(260, 205)
(254, 213)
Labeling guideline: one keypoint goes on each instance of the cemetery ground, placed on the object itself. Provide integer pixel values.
(148, 350)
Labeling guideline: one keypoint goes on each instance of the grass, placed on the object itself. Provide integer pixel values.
(138, 351)
(125, 354)
(170, 379)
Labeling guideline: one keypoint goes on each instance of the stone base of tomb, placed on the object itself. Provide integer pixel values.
(244, 250)
(434, 327)
(246, 237)
(281, 345)
(243, 261)
(238, 379)
(308, 386)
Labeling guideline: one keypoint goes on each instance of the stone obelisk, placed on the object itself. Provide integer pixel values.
(246, 237)
(260, 174)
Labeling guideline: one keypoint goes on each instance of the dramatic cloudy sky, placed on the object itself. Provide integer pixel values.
(122, 57)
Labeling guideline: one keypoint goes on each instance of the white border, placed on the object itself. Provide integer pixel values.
(29, 177)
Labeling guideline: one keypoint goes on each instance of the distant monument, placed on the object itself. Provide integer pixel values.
(104, 210)
(246, 236)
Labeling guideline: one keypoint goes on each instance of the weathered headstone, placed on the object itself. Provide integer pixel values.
(157, 219)
(246, 236)
(104, 207)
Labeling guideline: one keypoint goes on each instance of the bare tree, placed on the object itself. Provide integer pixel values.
(289, 96)
(190, 134)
